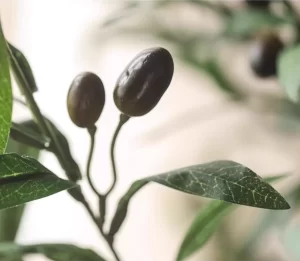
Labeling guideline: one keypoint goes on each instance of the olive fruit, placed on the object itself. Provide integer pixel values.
(144, 81)
(264, 53)
(258, 3)
(86, 98)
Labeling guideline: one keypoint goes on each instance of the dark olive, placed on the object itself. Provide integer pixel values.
(258, 3)
(86, 98)
(144, 81)
(264, 53)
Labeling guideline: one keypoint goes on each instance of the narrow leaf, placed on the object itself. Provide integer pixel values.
(70, 166)
(10, 252)
(207, 222)
(63, 252)
(288, 68)
(244, 23)
(203, 228)
(19, 62)
(55, 252)
(23, 179)
(5, 94)
(27, 136)
(224, 180)
(122, 208)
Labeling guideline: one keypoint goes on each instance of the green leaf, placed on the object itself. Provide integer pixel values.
(224, 180)
(203, 227)
(206, 223)
(20, 63)
(5, 94)
(10, 218)
(23, 179)
(55, 252)
(70, 166)
(291, 240)
(27, 136)
(64, 252)
(245, 23)
(288, 68)
(122, 208)
(10, 252)
(218, 177)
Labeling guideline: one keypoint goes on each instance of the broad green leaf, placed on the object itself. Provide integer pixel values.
(5, 94)
(24, 179)
(10, 218)
(19, 61)
(224, 180)
(206, 223)
(63, 252)
(70, 166)
(203, 227)
(244, 23)
(288, 68)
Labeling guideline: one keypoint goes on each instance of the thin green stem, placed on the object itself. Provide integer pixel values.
(45, 128)
(100, 227)
(20, 101)
(123, 119)
(92, 132)
(48, 131)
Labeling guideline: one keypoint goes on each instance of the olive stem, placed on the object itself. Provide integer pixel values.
(100, 227)
(92, 132)
(123, 119)
(20, 101)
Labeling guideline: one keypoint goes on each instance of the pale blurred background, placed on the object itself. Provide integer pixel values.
(193, 123)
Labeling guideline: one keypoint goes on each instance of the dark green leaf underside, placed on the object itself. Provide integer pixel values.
(5, 94)
(20, 64)
(23, 179)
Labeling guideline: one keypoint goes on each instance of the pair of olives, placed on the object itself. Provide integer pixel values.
(138, 89)
(264, 54)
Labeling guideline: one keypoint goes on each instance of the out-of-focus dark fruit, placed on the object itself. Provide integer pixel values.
(264, 53)
(144, 81)
(86, 98)
(258, 3)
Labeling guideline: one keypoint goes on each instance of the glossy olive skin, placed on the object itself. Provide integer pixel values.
(264, 53)
(258, 3)
(86, 99)
(144, 81)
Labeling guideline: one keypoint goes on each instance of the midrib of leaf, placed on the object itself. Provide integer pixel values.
(24, 177)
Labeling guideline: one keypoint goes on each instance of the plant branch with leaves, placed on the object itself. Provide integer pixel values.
(138, 90)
